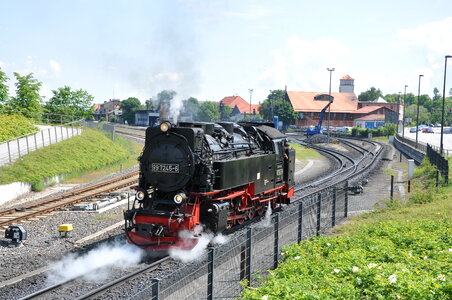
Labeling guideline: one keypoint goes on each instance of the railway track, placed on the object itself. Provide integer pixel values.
(51, 292)
(42, 207)
(349, 167)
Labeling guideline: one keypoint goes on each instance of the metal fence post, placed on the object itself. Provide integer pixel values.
(276, 242)
(319, 206)
(346, 200)
(28, 147)
(42, 135)
(300, 221)
(249, 244)
(333, 214)
(18, 147)
(155, 288)
(210, 274)
(56, 134)
(36, 143)
(67, 132)
(392, 187)
(9, 152)
(50, 138)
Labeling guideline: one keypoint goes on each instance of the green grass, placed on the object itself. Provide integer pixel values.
(401, 251)
(91, 151)
(15, 125)
(304, 153)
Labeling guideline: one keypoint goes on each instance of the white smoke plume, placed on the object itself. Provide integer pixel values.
(220, 239)
(175, 108)
(193, 254)
(94, 265)
(267, 221)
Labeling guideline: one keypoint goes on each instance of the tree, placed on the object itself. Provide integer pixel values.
(67, 102)
(436, 94)
(281, 107)
(27, 94)
(129, 106)
(393, 98)
(411, 112)
(149, 104)
(191, 107)
(371, 94)
(209, 111)
(3, 89)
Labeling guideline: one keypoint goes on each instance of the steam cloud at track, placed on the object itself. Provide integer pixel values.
(95, 264)
(194, 254)
(267, 221)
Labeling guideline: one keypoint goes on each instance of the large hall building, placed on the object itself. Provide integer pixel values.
(345, 109)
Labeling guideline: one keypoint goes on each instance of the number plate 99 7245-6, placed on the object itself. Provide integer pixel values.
(165, 168)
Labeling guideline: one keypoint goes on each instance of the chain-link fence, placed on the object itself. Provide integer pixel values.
(222, 272)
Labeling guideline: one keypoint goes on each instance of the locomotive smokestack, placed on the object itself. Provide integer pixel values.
(165, 111)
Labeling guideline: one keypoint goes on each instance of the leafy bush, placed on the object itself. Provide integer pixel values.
(387, 260)
(14, 125)
(91, 150)
(387, 130)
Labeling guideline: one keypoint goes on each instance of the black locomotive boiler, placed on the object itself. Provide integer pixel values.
(206, 175)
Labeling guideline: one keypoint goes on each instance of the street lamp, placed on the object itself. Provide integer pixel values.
(251, 93)
(398, 113)
(418, 101)
(444, 100)
(403, 118)
(329, 107)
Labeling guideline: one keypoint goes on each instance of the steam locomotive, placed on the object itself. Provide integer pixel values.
(206, 176)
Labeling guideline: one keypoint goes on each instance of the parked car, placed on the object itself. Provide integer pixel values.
(413, 129)
(427, 130)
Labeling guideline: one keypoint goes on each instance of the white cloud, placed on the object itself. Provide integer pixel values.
(2, 64)
(55, 66)
(251, 14)
(433, 39)
(171, 76)
(301, 64)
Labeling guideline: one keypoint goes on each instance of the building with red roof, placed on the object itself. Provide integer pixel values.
(344, 109)
(240, 107)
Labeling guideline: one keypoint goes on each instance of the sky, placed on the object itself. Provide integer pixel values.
(213, 49)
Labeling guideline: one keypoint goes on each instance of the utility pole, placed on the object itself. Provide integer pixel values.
(251, 94)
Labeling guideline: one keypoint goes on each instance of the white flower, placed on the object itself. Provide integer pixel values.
(392, 278)
(355, 269)
(450, 249)
(410, 254)
(283, 253)
(328, 244)
(336, 270)
(442, 277)
(425, 257)
(371, 265)
(296, 257)
(264, 297)
(358, 280)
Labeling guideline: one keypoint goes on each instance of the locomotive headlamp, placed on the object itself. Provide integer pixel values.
(165, 126)
(178, 198)
(140, 195)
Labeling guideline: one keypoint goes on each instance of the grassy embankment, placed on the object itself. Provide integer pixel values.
(12, 126)
(304, 153)
(78, 159)
(401, 251)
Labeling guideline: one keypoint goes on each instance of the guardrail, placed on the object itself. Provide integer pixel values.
(14, 149)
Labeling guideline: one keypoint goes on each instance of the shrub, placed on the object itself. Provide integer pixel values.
(15, 125)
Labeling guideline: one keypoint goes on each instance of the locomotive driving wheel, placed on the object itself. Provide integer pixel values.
(251, 213)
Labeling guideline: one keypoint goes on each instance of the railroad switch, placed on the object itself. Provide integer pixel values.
(17, 234)
(65, 229)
